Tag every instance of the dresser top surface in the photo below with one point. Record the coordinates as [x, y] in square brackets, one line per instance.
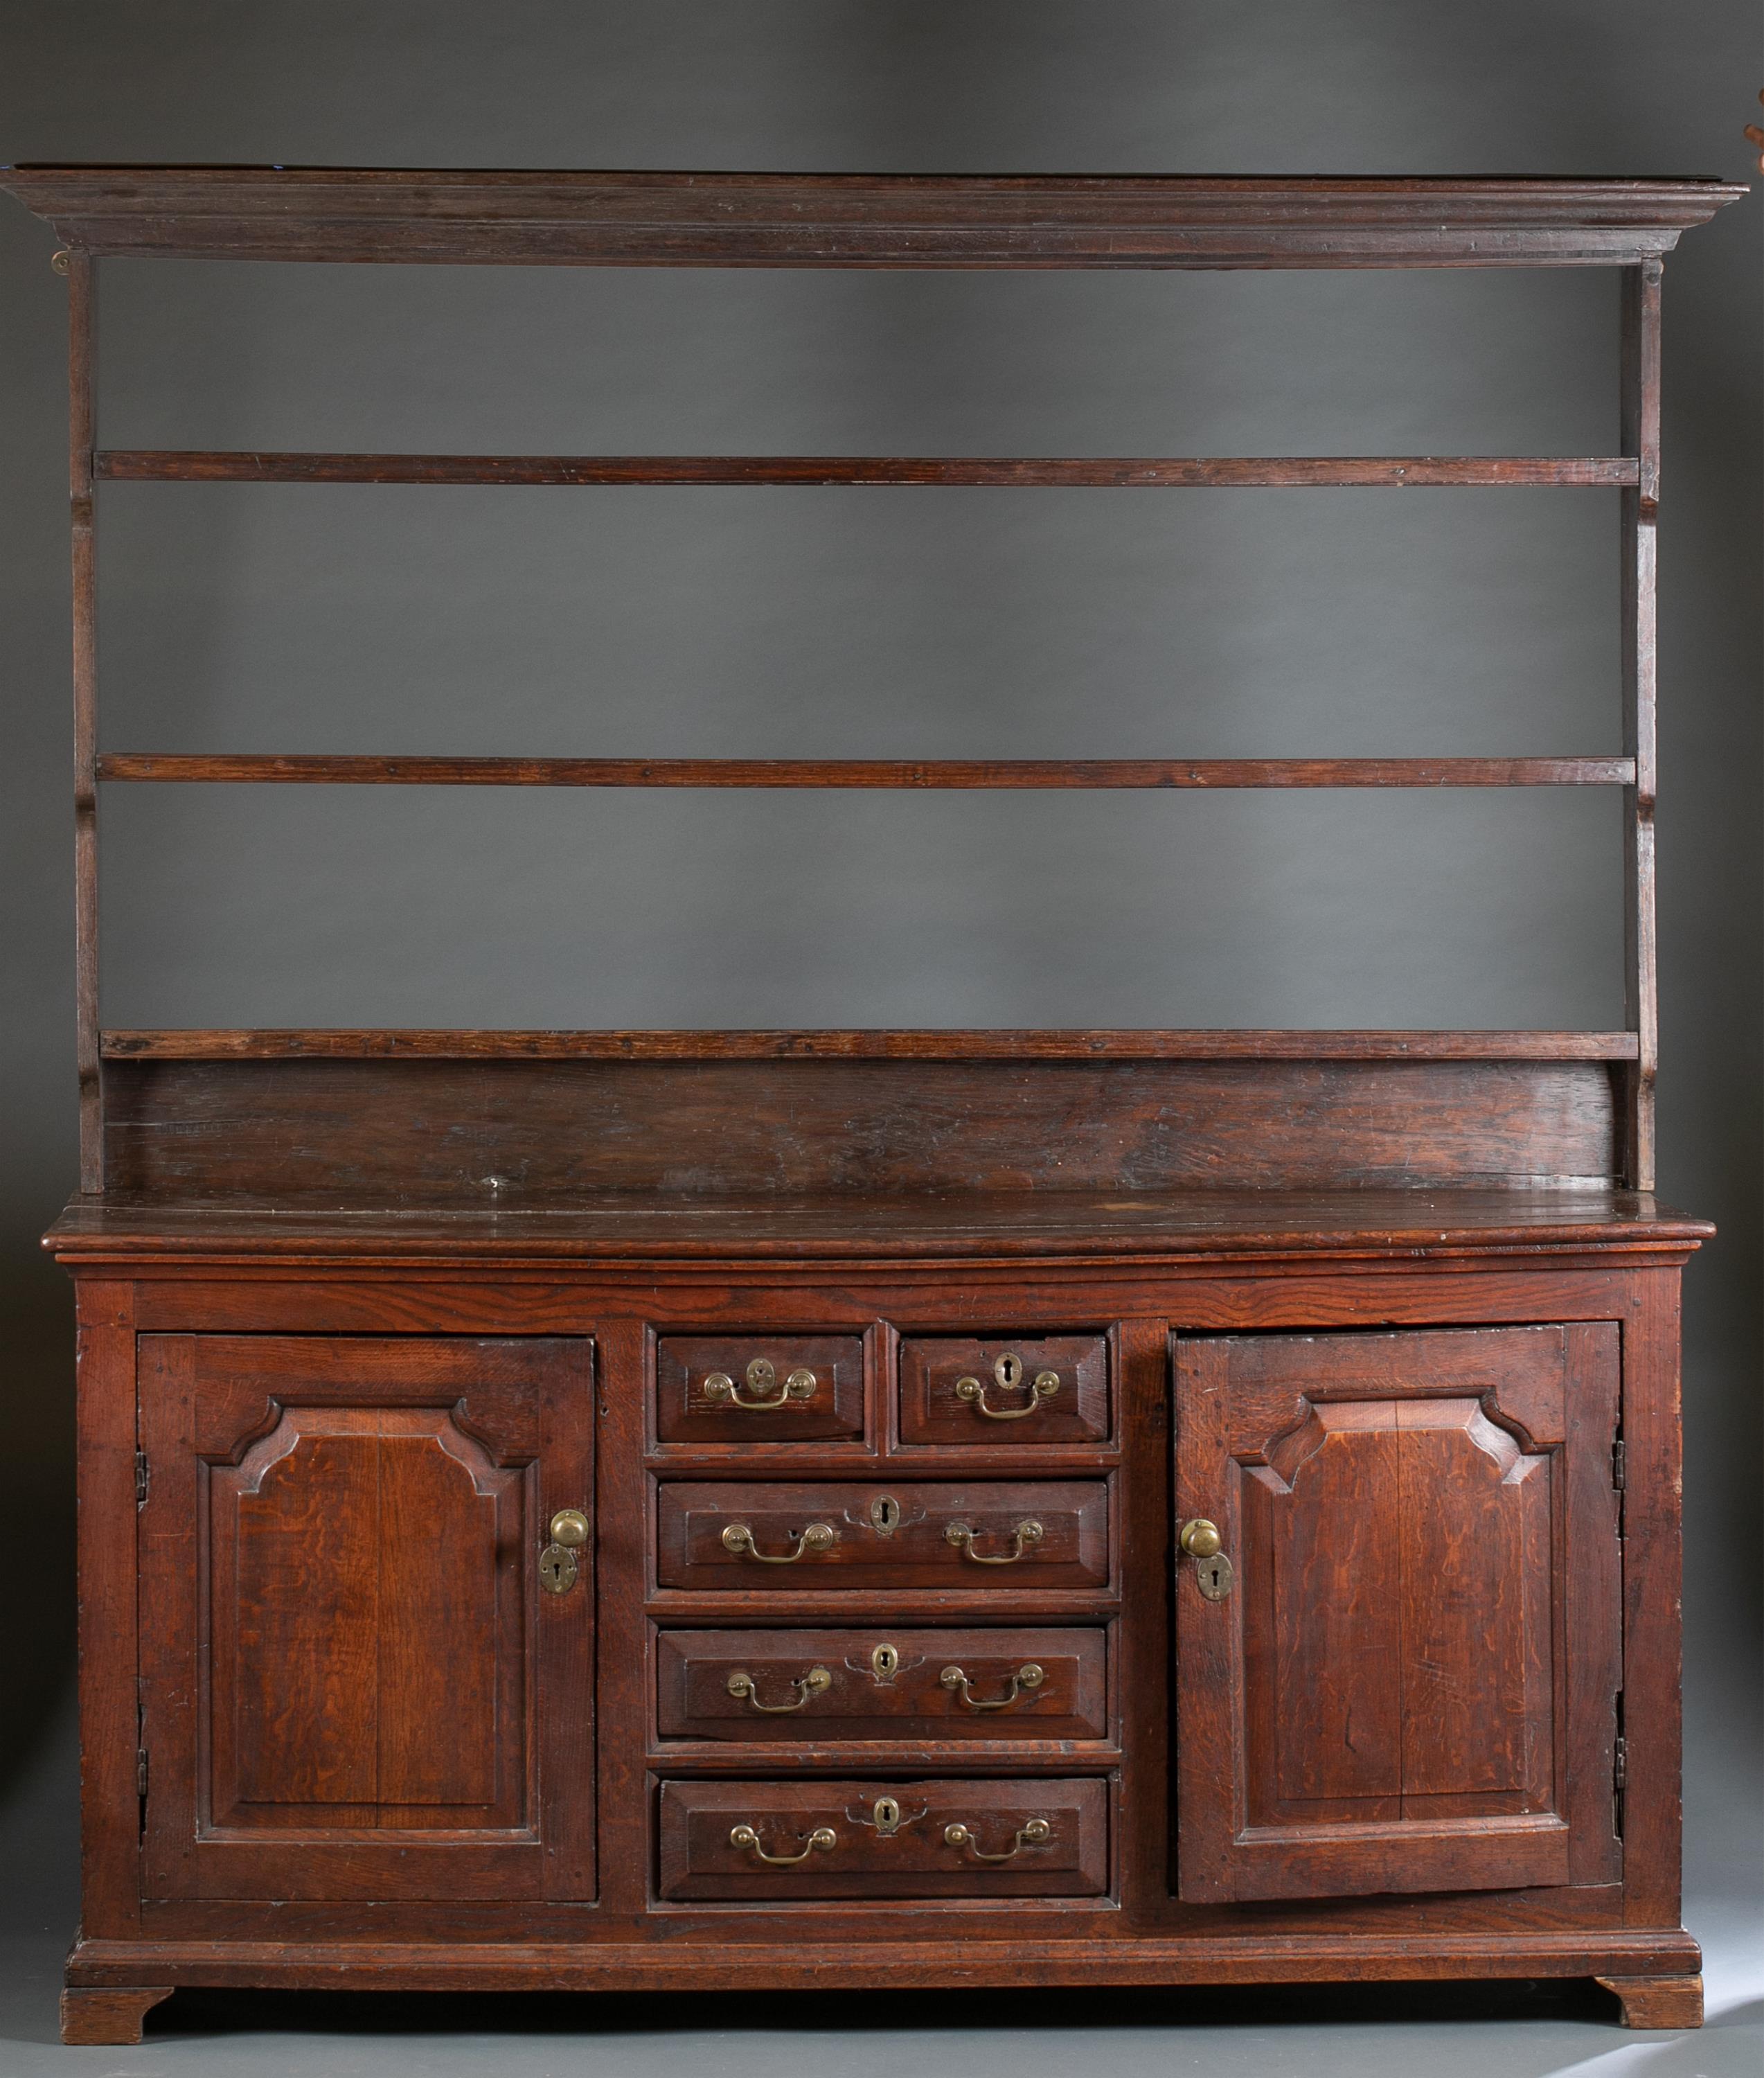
[1219, 1224]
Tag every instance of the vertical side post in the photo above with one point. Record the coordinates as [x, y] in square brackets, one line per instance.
[1640, 436]
[82, 435]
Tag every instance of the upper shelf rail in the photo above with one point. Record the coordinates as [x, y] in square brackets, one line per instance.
[360, 769]
[267, 1044]
[1084, 472]
[893, 220]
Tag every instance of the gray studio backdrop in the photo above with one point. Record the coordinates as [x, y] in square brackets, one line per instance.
[885, 622]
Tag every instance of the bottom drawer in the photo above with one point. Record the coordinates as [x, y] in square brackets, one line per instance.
[884, 1839]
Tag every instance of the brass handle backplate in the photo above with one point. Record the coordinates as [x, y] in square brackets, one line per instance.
[559, 1568]
[739, 1539]
[1007, 1372]
[816, 1682]
[819, 1841]
[1025, 1538]
[762, 1376]
[1028, 1675]
[1037, 1833]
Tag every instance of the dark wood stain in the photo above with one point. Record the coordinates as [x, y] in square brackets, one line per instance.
[361, 1311]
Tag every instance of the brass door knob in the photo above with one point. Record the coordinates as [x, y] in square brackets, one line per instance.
[570, 1528]
[1200, 1538]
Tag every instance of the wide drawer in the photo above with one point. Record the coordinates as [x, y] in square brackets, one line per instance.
[1004, 1535]
[797, 1687]
[759, 1388]
[881, 1839]
[1052, 1389]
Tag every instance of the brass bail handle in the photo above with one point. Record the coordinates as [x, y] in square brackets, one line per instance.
[739, 1539]
[816, 1682]
[1028, 1676]
[559, 1568]
[762, 1376]
[1007, 1373]
[1024, 1540]
[820, 1842]
[1037, 1833]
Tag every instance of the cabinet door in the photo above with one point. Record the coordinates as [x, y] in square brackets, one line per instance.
[354, 1682]
[1410, 1684]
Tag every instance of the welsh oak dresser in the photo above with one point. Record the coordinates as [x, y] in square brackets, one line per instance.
[875, 1508]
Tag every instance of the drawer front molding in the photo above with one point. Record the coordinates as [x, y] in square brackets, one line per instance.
[990, 1536]
[742, 1840]
[882, 1683]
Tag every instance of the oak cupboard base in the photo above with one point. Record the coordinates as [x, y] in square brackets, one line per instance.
[487, 1806]
[1653, 1974]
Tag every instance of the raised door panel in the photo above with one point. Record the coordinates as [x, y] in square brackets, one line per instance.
[1410, 1683]
[353, 1684]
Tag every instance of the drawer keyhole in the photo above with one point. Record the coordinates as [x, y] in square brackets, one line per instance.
[884, 1515]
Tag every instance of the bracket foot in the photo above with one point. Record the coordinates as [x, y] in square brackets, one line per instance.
[1675, 2002]
[99, 2016]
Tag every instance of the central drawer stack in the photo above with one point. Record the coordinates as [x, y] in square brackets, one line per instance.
[883, 1602]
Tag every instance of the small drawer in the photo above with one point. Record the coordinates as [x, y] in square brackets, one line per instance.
[1052, 1390]
[759, 1389]
[884, 1839]
[995, 1536]
[799, 1686]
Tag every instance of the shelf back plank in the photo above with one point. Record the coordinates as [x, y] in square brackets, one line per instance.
[509, 1133]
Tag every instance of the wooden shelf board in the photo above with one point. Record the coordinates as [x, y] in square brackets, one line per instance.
[265, 1044]
[995, 472]
[226, 769]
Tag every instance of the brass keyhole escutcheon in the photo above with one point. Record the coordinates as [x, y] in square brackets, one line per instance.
[884, 1515]
[885, 1662]
[886, 1815]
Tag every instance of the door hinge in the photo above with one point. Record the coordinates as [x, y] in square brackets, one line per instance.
[1620, 1464]
[140, 1773]
[1620, 1765]
[140, 1479]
